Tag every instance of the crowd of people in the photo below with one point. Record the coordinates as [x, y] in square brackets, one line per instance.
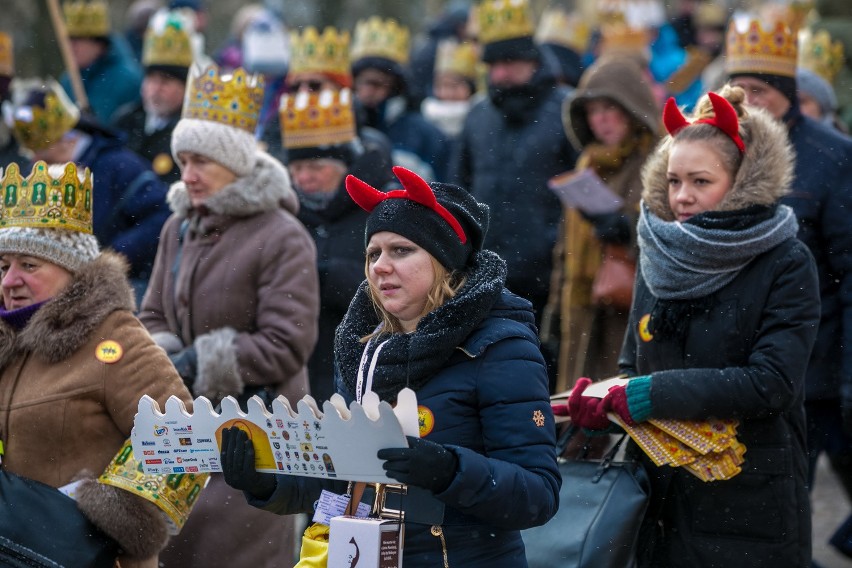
[500, 209]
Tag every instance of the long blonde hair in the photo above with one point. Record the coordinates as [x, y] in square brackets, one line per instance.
[445, 286]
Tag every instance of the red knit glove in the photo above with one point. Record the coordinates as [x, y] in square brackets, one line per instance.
[616, 401]
[587, 411]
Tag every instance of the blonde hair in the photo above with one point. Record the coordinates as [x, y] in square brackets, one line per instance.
[731, 156]
[445, 286]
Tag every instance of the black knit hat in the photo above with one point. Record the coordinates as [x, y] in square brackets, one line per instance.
[516, 48]
[444, 219]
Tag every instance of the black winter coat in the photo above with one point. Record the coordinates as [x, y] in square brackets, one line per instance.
[506, 165]
[154, 147]
[745, 358]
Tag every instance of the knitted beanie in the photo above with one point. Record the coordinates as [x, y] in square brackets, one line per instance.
[232, 147]
[425, 226]
[68, 249]
[817, 88]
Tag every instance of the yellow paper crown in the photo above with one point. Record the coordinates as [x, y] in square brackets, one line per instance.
[46, 202]
[168, 42]
[754, 50]
[618, 36]
[312, 120]
[561, 28]
[7, 56]
[460, 58]
[376, 37]
[820, 54]
[175, 494]
[504, 19]
[231, 99]
[86, 19]
[328, 53]
[39, 126]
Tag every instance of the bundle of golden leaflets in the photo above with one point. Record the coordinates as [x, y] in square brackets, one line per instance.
[709, 450]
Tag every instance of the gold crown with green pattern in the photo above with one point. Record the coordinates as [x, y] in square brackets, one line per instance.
[172, 45]
[233, 99]
[820, 54]
[7, 56]
[559, 27]
[86, 19]
[45, 202]
[39, 126]
[312, 120]
[376, 37]
[755, 50]
[460, 58]
[504, 19]
[312, 52]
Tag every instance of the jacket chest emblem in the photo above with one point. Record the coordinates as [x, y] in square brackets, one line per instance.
[425, 420]
[644, 334]
[109, 351]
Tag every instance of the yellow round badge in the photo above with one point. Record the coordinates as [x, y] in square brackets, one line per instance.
[643, 328]
[426, 420]
[108, 351]
[162, 164]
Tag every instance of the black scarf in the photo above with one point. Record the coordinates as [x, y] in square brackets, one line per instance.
[412, 359]
[518, 102]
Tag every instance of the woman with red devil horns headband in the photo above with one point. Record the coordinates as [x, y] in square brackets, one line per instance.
[434, 315]
[724, 317]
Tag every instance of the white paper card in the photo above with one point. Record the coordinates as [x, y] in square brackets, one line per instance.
[585, 191]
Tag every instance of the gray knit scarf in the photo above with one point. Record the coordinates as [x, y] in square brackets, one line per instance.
[689, 260]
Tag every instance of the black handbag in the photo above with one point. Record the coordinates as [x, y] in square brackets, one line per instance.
[601, 506]
[41, 527]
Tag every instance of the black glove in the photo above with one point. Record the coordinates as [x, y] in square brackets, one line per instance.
[846, 410]
[611, 228]
[186, 364]
[237, 457]
[422, 464]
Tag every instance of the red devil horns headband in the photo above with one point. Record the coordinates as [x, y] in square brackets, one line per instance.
[415, 188]
[725, 119]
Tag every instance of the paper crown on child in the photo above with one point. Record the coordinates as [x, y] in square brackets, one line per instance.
[557, 26]
[86, 19]
[460, 58]
[40, 113]
[168, 43]
[7, 56]
[233, 99]
[174, 494]
[316, 121]
[326, 53]
[751, 49]
[383, 38]
[820, 54]
[42, 201]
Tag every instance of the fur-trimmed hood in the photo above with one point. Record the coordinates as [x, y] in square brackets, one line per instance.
[764, 176]
[267, 188]
[65, 323]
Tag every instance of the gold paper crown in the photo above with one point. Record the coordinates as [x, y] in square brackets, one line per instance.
[376, 37]
[7, 56]
[820, 54]
[171, 45]
[328, 53]
[618, 36]
[312, 120]
[561, 28]
[772, 52]
[45, 202]
[86, 19]
[231, 99]
[459, 58]
[504, 19]
[38, 127]
[175, 494]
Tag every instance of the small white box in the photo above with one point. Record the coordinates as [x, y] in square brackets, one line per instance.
[365, 543]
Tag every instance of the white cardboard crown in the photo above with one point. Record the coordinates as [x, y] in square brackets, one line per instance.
[339, 443]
